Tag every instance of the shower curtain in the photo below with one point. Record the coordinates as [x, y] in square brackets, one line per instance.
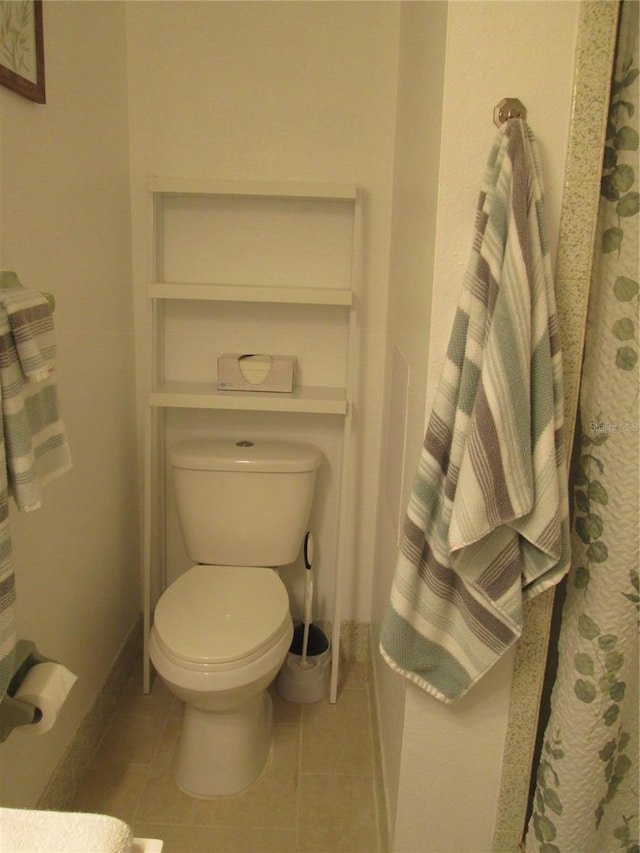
[586, 798]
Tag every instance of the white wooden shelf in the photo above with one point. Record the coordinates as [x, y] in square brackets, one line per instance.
[251, 293]
[253, 189]
[204, 395]
[162, 395]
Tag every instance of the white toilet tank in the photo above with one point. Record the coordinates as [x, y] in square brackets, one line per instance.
[243, 503]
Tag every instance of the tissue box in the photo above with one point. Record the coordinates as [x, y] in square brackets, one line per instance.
[255, 372]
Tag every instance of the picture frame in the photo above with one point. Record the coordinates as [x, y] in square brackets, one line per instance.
[22, 48]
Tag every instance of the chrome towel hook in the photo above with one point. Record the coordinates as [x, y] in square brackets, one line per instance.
[508, 108]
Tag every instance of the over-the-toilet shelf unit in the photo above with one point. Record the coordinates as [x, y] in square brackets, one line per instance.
[315, 401]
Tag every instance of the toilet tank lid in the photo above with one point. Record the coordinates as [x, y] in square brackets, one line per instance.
[261, 455]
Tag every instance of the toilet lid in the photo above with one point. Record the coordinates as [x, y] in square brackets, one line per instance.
[221, 614]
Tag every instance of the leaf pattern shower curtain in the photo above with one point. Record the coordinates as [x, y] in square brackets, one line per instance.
[586, 800]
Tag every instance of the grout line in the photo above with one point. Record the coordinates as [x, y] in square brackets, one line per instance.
[297, 828]
[149, 766]
[373, 735]
[379, 791]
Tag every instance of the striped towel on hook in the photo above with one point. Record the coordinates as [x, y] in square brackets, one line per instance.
[33, 441]
[487, 523]
[36, 444]
[31, 326]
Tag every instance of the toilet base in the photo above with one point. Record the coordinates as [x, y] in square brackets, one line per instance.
[223, 752]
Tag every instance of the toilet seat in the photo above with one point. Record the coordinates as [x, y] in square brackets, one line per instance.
[221, 617]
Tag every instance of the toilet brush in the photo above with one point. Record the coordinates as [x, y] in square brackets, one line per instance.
[308, 639]
[304, 675]
[308, 595]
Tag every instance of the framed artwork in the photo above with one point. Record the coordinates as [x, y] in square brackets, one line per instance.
[22, 48]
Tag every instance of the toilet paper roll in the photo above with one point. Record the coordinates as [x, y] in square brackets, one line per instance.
[46, 687]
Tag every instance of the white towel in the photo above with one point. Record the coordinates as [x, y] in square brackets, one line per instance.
[31, 831]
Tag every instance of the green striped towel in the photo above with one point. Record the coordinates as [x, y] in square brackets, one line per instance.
[33, 441]
[487, 523]
[31, 325]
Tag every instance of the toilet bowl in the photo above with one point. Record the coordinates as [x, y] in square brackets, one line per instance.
[220, 636]
[222, 631]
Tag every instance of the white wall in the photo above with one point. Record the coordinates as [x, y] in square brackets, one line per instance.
[445, 760]
[65, 228]
[277, 91]
[417, 158]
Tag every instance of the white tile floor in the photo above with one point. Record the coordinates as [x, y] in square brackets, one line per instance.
[321, 790]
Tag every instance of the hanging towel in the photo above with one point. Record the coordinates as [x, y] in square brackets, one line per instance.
[31, 325]
[8, 637]
[487, 523]
[36, 444]
[33, 441]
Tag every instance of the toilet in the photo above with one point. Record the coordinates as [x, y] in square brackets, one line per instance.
[222, 630]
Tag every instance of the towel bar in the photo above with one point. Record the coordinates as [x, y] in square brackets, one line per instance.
[9, 279]
[508, 108]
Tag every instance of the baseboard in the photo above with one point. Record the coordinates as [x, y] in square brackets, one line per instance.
[354, 639]
[61, 788]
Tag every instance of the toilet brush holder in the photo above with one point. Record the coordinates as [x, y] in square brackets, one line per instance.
[306, 678]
